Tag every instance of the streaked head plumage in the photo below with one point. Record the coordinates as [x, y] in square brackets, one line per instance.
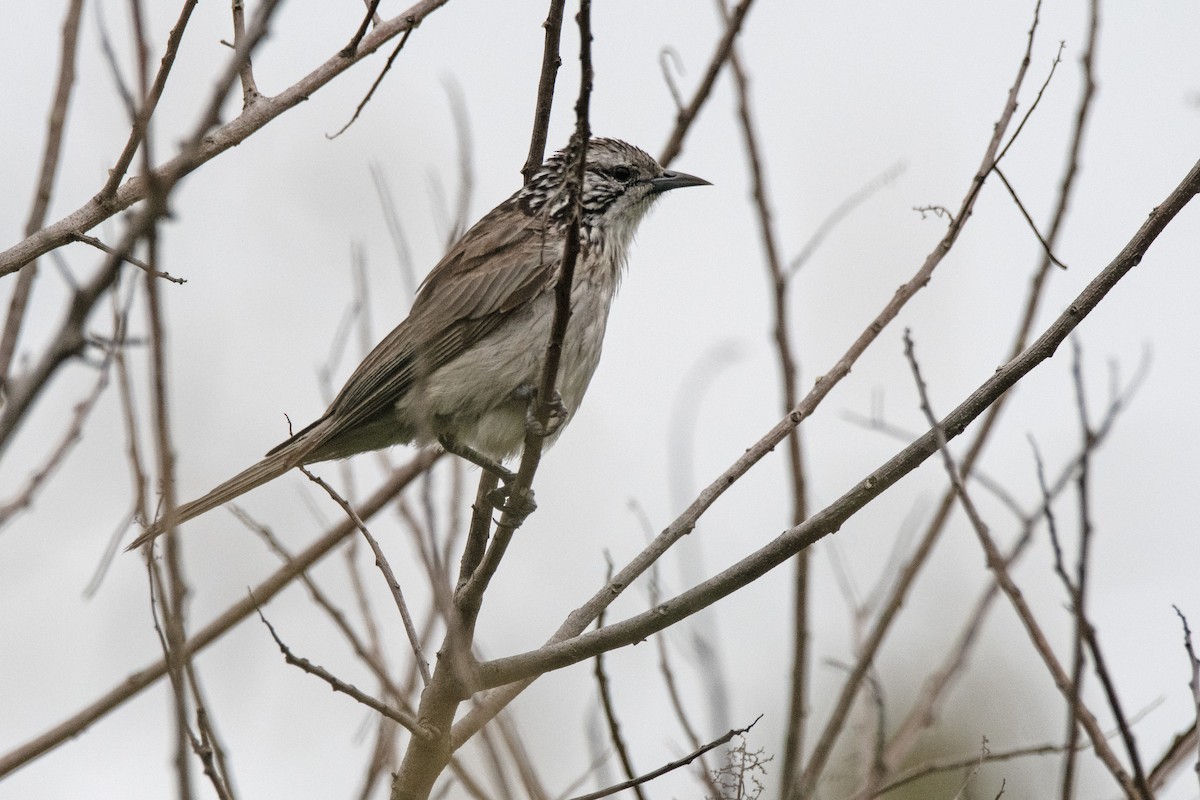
[621, 182]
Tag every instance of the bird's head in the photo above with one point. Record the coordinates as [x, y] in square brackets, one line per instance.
[620, 184]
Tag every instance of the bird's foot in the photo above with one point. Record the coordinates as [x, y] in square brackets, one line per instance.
[555, 420]
[502, 499]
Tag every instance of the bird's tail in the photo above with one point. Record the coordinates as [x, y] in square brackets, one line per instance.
[271, 467]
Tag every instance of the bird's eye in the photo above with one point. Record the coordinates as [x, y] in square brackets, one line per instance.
[621, 174]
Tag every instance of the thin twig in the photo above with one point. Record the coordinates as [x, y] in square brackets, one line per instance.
[55, 127]
[214, 139]
[108, 193]
[409, 722]
[551, 61]
[71, 437]
[126, 257]
[1028, 219]
[789, 379]
[610, 711]
[250, 91]
[674, 765]
[686, 116]
[964, 763]
[369, 655]
[351, 49]
[414, 640]
[1042, 90]
[995, 562]
[378, 80]
[1194, 681]
[136, 682]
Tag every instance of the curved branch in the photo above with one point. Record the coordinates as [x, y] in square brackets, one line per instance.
[232, 133]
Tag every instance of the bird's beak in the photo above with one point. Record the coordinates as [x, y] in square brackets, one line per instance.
[675, 180]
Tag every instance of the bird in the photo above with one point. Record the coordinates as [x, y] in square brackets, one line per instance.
[462, 369]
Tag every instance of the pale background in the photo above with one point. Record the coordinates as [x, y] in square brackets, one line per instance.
[842, 91]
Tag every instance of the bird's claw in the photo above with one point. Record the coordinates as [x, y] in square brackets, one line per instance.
[503, 500]
[555, 420]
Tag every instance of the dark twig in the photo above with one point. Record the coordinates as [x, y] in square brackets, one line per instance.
[351, 49]
[414, 640]
[424, 761]
[1077, 588]
[551, 61]
[1070, 749]
[687, 115]
[471, 594]
[149, 103]
[789, 378]
[1032, 225]
[378, 80]
[338, 685]
[610, 711]
[126, 257]
[1194, 681]
[19, 300]
[674, 765]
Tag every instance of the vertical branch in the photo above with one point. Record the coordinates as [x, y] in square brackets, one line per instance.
[426, 758]
[551, 61]
[573, 173]
[609, 708]
[41, 199]
[794, 742]
[149, 102]
[1194, 681]
[250, 91]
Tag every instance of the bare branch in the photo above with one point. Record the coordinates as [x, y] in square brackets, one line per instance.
[338, 685]
[381, 561]
[378, 80]
[210, 143]
[995, 562]
[674, 765]
[686, 116]
[551, 61]
[41, 199]
[133, 684]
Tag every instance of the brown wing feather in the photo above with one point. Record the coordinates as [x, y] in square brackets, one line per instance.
[503, 261]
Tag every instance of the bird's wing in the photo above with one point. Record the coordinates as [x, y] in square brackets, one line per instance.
[502, 262]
